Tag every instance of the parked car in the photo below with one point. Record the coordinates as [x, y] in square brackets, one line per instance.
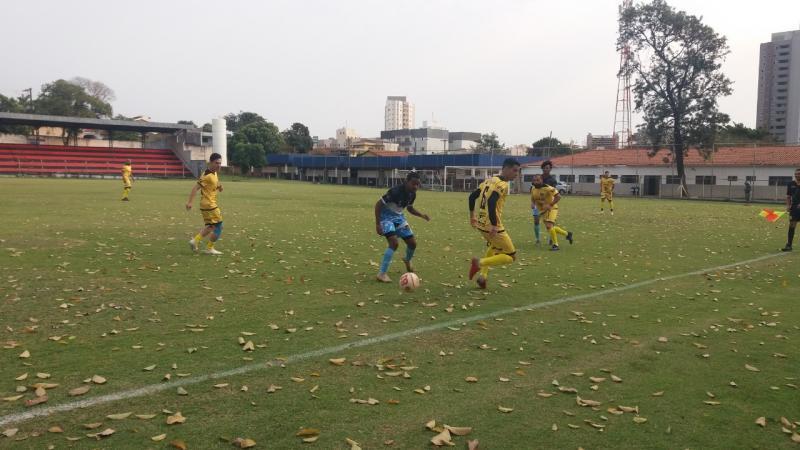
[563, 188]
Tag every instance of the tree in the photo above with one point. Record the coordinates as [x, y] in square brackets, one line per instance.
[124, 135]
[677, 64]
[490, 143]
[96, 89]
[248, 156]
[207, 127]
[738, 133]
[263, 136]
[187, 122]
[298, 138]
[62, 98]
[549, 146]
[233, 121]
[13, 105]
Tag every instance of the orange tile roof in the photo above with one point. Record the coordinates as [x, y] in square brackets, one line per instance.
[384, 153]
[724, 156]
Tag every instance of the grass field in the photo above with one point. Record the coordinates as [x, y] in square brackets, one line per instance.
[94, 286]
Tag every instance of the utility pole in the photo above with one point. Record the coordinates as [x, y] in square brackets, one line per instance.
[30, 99]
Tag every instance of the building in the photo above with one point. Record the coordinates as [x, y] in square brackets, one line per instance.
[361, 146]
[720, 176]
[462, 141]
[778, 105]
[599, 142]
[518, 150]
[345, 137]
[399, 113]
[419, 141]
[325, 143]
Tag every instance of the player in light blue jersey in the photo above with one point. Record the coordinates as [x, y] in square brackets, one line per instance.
[391, 223]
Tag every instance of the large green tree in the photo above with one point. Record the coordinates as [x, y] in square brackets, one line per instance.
[549, 146]
[96, 89]
[248, 156]
[263, 135]
[676, 63]
[490, 143]
[234, 121]
[62, 98]
[738, 133]
[298, 138]
[10, 104]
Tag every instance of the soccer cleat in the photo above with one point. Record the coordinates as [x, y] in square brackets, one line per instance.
[193, 245]
[474, 267]
[788, 248]
[212, 251]
[601, 211]
[569, 237]
[383, 278]
[125, 199]
[481, 280]
[538, 242]
[409, 266]
[554, 248]
[612, 213]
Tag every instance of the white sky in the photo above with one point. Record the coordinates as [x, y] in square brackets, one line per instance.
[519, 68]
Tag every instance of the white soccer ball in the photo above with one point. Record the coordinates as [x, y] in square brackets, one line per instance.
[409, 281]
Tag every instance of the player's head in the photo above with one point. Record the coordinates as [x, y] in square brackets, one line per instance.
[547, 166]
[510, 169]
[128, 162]
[412, 182]
[606, 174]
[538, 181]
[797, 174]
[214, 162]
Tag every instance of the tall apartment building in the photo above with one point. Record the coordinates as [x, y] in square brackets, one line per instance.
[778, 107]
[345, 137]
[399, 113]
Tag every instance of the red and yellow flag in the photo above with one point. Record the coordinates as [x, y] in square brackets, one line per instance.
[770, 215]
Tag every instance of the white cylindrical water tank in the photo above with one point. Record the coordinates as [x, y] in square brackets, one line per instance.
[219, 139]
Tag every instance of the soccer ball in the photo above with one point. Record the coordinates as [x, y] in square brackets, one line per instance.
[409, 281]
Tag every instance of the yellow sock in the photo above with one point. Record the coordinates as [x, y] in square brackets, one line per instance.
[485, 269]
[611, 205]
[496, 260]
[198, 238]
[125, 192]
[602, 203]
[553, 235]
[210, 245]
[560, 230]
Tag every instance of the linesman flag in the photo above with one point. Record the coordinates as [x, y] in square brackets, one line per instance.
[770, 215]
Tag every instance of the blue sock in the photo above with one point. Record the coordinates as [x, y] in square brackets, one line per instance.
[387, 259]
[536, 230]
[410, 253]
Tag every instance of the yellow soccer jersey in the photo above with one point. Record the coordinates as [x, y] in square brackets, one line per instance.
[126, 175]
[487, 188]
[544, 195]
[606, 185]
[208, 183]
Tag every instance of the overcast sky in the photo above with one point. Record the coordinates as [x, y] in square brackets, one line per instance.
[519, 68]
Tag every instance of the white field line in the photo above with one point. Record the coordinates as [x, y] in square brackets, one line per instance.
[155, 388]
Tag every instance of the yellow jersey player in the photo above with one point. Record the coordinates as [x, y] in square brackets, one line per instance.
[545, 198]
[607, 192]
[208, 184]
[491, 196]
[127, 180]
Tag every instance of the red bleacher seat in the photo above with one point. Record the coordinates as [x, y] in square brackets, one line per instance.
[79, 160]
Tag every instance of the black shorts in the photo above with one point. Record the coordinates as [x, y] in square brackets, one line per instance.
[794, 213]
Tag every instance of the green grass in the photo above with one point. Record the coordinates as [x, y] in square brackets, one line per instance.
[93, 285]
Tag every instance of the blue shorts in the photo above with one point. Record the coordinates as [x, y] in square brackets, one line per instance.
[535, 212]
[396, 227]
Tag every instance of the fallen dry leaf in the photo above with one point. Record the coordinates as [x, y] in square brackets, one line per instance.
[459, 431]
[10, 432]
[79, 390]
[505, 410]
[120, 416]
[175, 418]
[306, 432]
[178, 444]
[97, 379]
[337, 361]
[761, 421]
[442, 438]
[751, 368]
[244, 443]
[158, 438]
[472, 445]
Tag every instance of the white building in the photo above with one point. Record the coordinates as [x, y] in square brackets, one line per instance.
[721, 176]
[778, 107]
[399, 113]
[345, 137]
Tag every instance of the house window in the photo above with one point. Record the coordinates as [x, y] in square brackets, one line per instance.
[567, 178]
[629, 179]
[673, 179]
[779, 181]
[705, 179]
[733, 178]
[750, 178]
[586, 178]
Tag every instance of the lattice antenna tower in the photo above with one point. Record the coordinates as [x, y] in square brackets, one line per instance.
[622, 109]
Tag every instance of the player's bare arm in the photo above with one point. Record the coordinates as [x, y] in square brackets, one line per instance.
[378, 208]
[414, 212]
[191, 196]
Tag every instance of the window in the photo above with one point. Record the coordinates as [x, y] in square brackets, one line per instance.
[782, 83]
[629, 179]
[733, 178]
[586, 178]
[673, 179]
[705, 179]
[750, 178]
[779, 181]
[567, 178]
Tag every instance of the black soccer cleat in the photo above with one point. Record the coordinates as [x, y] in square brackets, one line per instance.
[554, 248]
[788, 248]
[569, 237]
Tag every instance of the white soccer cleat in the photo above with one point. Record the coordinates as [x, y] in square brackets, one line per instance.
[383, 278]
[212, 251]
[193, 245]
[612, 213]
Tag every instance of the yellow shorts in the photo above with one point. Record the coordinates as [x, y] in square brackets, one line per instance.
[501, 242]
[126, 183]
[606, 196]
[211, 216]
[550, 216]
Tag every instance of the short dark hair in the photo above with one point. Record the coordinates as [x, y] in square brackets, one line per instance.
[214, 157]
[412, 176]
[510, 162]
[547, 163]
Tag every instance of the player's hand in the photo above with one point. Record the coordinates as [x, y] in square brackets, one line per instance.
[219, 188]
[188, 206]
[473, 222]
[378, 229]
[493, 231]
[426, 217]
